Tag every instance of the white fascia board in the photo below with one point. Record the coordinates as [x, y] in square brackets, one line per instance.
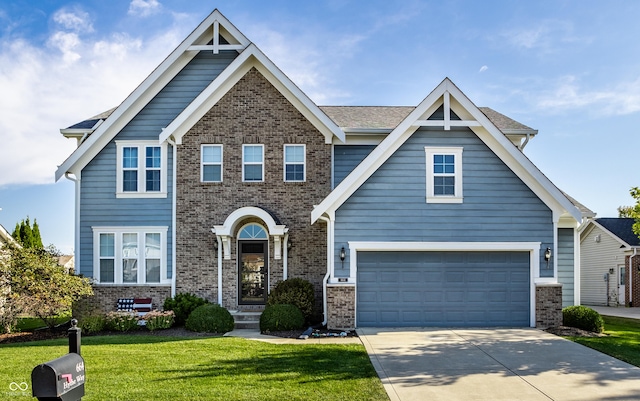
[250, 57]
[138, 99]
[378, 156]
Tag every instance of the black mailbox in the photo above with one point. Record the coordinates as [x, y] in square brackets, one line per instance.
[59, 379]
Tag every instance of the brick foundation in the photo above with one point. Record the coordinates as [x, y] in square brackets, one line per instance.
[341, 310]
[548, 305]
[632, 292]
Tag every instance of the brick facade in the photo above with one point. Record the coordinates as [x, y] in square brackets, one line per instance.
[548, 305]
[252, 112]
[632, 289]
[107, 296]
[341, 307]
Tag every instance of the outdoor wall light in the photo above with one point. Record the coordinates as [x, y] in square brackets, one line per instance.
[547, 254]
[342, 254]
[289, 245]
[611, 270]
[215, 245]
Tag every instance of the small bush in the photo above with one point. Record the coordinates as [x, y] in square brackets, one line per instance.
[281, 317]
[182, 306]
[157, 320]
[122, 321]
[295, 291]
[583, 318]
[210, 318]
[92, 324]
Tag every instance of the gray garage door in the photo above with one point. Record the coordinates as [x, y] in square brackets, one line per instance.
[446, 289]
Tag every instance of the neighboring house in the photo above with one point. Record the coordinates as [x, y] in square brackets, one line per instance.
[5, 288]
[218, 176]
[68, 262]
[609, 263]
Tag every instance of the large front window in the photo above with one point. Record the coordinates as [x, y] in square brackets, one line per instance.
[130, 255]
[444, 175]
[141, 169]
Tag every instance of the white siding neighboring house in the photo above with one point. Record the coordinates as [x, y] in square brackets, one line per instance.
[5, 238]
[608, 249]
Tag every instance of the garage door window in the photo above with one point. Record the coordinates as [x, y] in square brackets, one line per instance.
[444, 175]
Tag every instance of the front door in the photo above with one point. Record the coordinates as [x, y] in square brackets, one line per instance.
[252, 273]
[622, 280]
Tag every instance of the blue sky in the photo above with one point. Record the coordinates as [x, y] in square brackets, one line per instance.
[570, 69]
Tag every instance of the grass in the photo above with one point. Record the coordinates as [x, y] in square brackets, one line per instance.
[622, 340]
[146, 367]
[33, 323]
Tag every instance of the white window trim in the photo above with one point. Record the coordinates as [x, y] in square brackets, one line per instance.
[244, 163]
[457, 153]
[141, 192]
[202, 162]
[304, 162]
[140, 231]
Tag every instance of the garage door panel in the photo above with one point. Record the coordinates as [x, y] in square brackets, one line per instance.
[456, 289]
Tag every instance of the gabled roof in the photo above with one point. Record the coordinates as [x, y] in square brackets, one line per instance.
[622, 228]
[447, 95]
[251, 57]
[6, 238]
[205, 37]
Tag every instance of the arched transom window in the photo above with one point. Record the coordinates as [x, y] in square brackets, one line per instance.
[252, 231]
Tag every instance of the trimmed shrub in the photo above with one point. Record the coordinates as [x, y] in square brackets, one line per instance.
[182, 306]
[92, 324]
[210, 318]
[583, 318]
[281, 317]
[156, 320]
[295, 291]
[122, 321]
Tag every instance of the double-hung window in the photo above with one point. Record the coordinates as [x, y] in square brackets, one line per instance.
[294, 163]
[141, 169]
[252, 163]
[444, 174]
[211, 163]
[130, 255]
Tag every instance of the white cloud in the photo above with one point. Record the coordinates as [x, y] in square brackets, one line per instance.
[144, 8]
[45, 90]
[73, 20]
[547, 35]
[620, 99]
[483, 68]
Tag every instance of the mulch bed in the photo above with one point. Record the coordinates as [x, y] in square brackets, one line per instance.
[316, 333]
[573, 332]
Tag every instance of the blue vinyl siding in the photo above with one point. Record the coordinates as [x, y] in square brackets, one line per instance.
[98, 203]
[346, 158]
[566, 263]
[391, 204]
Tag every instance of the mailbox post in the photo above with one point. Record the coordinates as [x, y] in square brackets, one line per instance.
[62, 378]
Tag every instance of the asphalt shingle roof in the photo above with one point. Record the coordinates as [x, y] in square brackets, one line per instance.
[622, 228]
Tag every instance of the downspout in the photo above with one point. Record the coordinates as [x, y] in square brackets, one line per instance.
[523, 144]
[173, 217]
[76, 240]
[635, 253]
[219, 269]
[285, 256]
[329, 267]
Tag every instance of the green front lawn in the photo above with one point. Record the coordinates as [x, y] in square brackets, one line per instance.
[622, 340]
[147, 367]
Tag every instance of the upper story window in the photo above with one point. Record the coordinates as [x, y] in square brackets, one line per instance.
[141, 169]
[444, 174]
[294, 162]
[130, 255]
[253, 163]
[211, 163]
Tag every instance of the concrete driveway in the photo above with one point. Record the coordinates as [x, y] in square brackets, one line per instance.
[494, 364]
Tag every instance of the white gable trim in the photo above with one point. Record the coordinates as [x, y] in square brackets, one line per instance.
[147, 90]
[448, 94]
[592, 223]
[251, 57]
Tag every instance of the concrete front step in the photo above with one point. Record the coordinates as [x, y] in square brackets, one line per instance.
[246, 320]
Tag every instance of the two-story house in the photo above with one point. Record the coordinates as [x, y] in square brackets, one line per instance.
[218, 176]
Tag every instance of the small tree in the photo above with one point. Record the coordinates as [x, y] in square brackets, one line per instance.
[39, 285]
[632, 211]
[28, 236]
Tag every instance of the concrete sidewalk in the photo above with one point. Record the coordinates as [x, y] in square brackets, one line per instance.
[620, 311]
[494, 364]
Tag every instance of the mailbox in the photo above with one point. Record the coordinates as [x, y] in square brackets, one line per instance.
[59, 379]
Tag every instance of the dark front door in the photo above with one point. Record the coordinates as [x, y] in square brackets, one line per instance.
[252, 272]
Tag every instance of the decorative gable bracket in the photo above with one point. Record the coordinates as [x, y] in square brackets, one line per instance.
[447, 122]
[236, 42]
